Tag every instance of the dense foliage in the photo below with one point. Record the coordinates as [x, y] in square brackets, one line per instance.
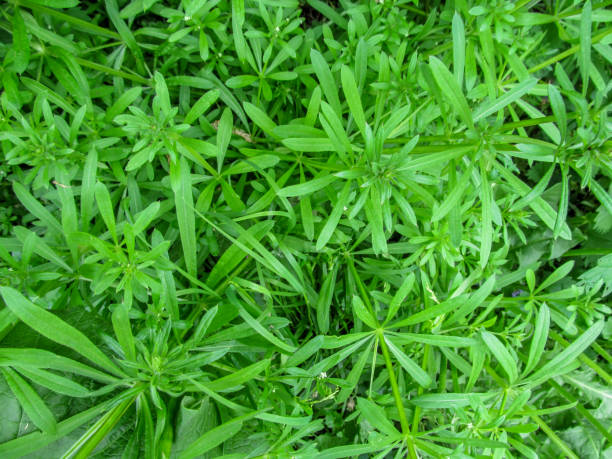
[287, 228]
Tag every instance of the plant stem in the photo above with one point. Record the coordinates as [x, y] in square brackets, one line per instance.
[396, 395]
[553, 436]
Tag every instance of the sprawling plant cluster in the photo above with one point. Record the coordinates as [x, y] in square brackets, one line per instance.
[310, 229]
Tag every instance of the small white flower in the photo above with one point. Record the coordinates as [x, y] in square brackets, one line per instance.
[277, 28]
[323, 375]
[187, 18]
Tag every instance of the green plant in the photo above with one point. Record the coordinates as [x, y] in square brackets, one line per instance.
[305, 229]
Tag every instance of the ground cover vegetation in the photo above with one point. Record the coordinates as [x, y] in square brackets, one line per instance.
[311, 229]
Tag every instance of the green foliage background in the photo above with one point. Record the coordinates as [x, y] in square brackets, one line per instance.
[310, 229]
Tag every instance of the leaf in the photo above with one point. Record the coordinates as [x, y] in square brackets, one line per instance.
[430, 313]
[50, 326]
[232, 257]
[558, 274]
[40, 246]
[451, 90]
[486, 236]
[124, 31]
[584, 53]
[326, 80]
[88, 185]
[57, 3]
[30, 401]
[332, 222]
[308, 187]
[21, 43]
[105, 206]
[352, 97]
[325, 299]
[306, 351]
[123, 331]
[56, 383]
[501, 354]
[458, 31]
[453, 198]
[183, 200]
[161, 93]
[400, 296]
[446, 400]
[224, 135]
[570, 353]
[309, 144]
[260, 118]
[36, 209]
[506, 99]
[540, 335]
[373, 207]
[563, 203]
[376, 416]
[558, 109]
[362, 313]
[539, 206]
[258, 327]
[536, 191]
[38, 358]
[201, 105]
[239, 377]
[415, 371]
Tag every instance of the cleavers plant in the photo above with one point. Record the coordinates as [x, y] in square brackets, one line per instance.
[305, 228]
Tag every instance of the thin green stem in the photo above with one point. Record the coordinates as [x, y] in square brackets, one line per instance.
[396, 395]
[553, 436]
[582, 410]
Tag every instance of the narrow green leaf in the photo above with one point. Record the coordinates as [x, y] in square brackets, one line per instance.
[123, 331]
[32, 404]
[538, 341]
[105, 206]
[326, 80]
[88, 185]
[224, 135]
[451, 90]
[56, 383]
[362, 313]
[447, 400]
[506, 99]
[325, 299]
[21, 43]
[201, 105]
[332, 222]
[486, 235]
[52, 327]
[557, 275]
[183, 199]
[260, 118]
[584, 53]
[458, 31]
[373, 207]
[376, 416]
[352, 97]
[453, 198]
[558, 109]
[307, 187]
[502, 355]
[570, 353]
[36, 209]
[239, 377]
[415, 371]
[400, 296]
[430, 313]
